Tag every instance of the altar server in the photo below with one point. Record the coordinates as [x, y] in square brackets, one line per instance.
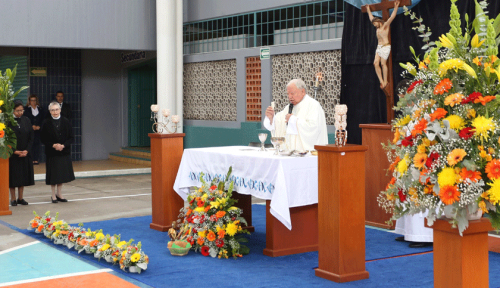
[302, 122]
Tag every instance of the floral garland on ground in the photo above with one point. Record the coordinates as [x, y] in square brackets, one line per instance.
[111, 248]
[210, 222]
[7, 95]
[446, 150]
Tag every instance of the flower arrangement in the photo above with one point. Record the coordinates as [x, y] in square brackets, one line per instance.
[7, 95]
[211, 222]
[95, 242]
[446, 150]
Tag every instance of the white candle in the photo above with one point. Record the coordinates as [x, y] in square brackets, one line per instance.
[155, 108]
[272, 105]
[166, 112]
[175, 118]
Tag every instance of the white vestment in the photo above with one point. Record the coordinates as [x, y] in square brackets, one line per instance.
[413, 229]
[306, 127]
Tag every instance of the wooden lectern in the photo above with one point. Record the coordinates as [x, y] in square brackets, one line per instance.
[341, 212]
[461, 261]
[376, 172]
[4, 187]
[166, 155]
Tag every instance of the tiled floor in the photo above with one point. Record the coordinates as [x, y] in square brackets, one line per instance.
[94, 165]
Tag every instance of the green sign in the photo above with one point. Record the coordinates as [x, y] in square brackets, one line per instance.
[38, 71]
[265, 53]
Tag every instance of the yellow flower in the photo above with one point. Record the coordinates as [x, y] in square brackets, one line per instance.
[445, 41]
[135, 257]
[482, 126]
[456, 156]
[483, 154]
[493, 58]
[403, 164]
[1, 102]
[455, 64]
[2, 126]
[453, 99]
[422, 65]
[482, 206]
[232, 208]
[471, 113]
[202, 234]
[402, 122]
[456, 122]
[215, 204]
[390, 197]
[494, 192]
[99, 236]
[421, 148]
[204, 197]
[447, 177]
[426, 142]
[474, 43]
[231, 229]
[105, 247]
[419, 160]
[476, 61]
[119, 245]
[199, 209]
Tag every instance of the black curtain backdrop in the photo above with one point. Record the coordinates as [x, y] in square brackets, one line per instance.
[360, 86]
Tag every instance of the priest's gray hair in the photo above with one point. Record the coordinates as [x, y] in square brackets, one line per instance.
[54, 103]
[299, 83]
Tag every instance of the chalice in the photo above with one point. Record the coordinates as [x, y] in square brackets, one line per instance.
[262, 138]
[277, 142]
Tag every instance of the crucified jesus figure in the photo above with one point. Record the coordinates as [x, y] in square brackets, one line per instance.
[384, 46]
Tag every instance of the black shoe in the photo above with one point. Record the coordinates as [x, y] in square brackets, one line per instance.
[420, 244]
[13, 203]
[53, 201]
[22, 202]
[61, 199]
[400, 239]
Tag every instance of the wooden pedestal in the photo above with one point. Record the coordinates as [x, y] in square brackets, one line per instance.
[245, 203]
[461, 261]
[166, 154]
[4, 187]
[341, 213]
[302, 238]
[376, 165]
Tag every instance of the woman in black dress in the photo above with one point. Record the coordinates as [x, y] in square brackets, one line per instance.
[57, 135]
[36, 114]
[20, 163]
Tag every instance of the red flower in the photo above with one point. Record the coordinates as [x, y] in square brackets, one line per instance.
[473, 96]
[412, 86]
[204, 251]
[402, 196]
[213, 187]
[213, 218]
[200, 203]
[466, 133]
[192, 201]
[190, 240]
[434, 156]
[407, 141]
[219, 243]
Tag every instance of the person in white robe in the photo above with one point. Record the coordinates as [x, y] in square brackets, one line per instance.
[305, 126]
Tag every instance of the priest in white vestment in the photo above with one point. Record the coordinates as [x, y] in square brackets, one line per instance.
[305, 126]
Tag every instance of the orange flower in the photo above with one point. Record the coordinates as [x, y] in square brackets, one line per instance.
[453, 99]
[438, 114]
[393, 180]
[429, 189]
[449, 194]
[482, 206]
[83, 242]
[419, 127]
[396, 161]
[34, 225]
[93, 243]
[200, 240]
[493, 169]
[419, 160]
[2, 133]
[443, 86]
[211, 236]
[65, 232]
[207, 208]
[220, 214]
[221, 233]
[456, 156]
[189, 212]
[474, 176]
[484, 100]
[40, 227]
[396, 136]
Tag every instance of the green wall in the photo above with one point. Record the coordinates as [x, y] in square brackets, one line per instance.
[198, 136]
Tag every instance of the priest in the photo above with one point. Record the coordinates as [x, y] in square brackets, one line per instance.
[302, 122]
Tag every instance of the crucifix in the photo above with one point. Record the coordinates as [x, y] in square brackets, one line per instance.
[387, 82]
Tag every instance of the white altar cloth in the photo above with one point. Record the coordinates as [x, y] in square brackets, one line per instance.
[285, 180]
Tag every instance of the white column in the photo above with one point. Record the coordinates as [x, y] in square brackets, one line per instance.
[169, 56]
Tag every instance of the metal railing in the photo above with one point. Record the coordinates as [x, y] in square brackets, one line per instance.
[312, 21]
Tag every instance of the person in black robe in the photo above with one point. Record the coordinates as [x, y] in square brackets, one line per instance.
[36, 114]
[65, 108]
[20, 163]
[57, 135]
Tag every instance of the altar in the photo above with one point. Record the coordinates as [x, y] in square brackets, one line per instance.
[288, 183]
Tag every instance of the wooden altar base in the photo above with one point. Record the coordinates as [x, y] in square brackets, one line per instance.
[302, 238]
[461, 261]
[4, 187]
[245, 204]
[376, 165]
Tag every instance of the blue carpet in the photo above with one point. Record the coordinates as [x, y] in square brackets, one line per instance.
[257, 270]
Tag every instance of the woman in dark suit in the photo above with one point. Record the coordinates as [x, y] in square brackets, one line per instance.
[57, 135]
[20, 163]
[36, 114]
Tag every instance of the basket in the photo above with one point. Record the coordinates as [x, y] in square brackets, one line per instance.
[176, 249]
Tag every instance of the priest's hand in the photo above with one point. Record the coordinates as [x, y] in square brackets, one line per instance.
[270, 113]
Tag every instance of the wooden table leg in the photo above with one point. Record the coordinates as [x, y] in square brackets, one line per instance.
[4, 187]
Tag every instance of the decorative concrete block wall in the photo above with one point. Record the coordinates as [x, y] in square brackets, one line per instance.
[210, 90]
[305, 66]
